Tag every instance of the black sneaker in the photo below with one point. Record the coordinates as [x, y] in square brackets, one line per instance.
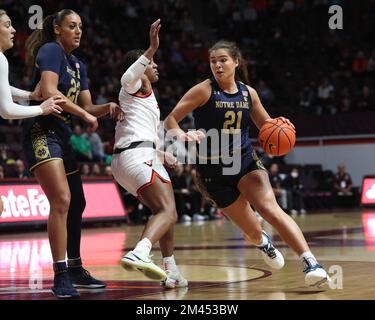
[63, 288]
[83, 279]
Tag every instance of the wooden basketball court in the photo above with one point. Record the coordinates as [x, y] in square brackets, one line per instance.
[212, 255]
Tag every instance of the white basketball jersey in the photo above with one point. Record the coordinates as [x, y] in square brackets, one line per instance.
[142, 117]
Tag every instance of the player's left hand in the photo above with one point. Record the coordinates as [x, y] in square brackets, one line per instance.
[285, 120]
[115, 112]
[36, 95]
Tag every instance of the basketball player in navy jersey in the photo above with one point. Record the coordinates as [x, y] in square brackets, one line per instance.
[227, 103]
[8, 94]
[47, 143]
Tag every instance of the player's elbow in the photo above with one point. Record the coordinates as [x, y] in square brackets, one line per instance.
[126, 79]
[5, 111]
[6, 114]
[48, 92]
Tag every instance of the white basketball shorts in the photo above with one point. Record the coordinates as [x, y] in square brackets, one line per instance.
[136, 169]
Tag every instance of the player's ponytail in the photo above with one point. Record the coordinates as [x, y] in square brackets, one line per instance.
[234, 52]
[41, 36]
[38, 38]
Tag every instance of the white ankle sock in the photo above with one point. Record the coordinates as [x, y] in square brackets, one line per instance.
[143, 246]
[169, 263]
[309, 257]
[264, 241]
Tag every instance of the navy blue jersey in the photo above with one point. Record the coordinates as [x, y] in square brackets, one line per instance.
[71, 71]
[229, 114]
[48, 137]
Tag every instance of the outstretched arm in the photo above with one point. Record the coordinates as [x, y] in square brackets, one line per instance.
[99, 110]
[131, 79]
[9, 109]
[19, 94]
[193, 99]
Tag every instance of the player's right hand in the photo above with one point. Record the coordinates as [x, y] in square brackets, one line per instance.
[92, 121]
[192, 135]
[52, 105]
[154, 35]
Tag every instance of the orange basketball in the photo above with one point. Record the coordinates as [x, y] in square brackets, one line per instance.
[276, 137]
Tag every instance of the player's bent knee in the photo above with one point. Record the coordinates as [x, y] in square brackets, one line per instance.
[60, 204]
[172, 214]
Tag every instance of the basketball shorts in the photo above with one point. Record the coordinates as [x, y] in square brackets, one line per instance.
[43, 142]
[136, 169]
[221, 189]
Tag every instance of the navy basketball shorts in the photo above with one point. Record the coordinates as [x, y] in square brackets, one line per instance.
[222, 190]
[43, 143]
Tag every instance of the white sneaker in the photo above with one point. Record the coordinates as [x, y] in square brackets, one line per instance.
[315, 275]
[271, 255]
[199, 217]
[174, 280]
[142, 262]
[294, 213]
[185, 218]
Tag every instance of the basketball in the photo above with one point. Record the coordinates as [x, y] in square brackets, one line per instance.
[276, 137]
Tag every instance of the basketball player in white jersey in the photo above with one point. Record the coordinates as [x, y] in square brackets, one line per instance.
[8, 94]
[138, 166]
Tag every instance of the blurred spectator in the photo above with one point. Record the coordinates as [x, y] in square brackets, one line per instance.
[19, 170]
[307, 98]
[97, 147]
[180, 187]
[85, 170]
[325, 96]
[371, 63]
[294, 188]
[360, 63]
[206, 208]
[4, 158]
[276, 183]
[343, 187]
[101, 98]
[81, 145]
[345, 101]
[187, 199]
[265, 93]
[108, 171]
[343, 182]
[365, 100]
[2, 173]
[95, 170]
